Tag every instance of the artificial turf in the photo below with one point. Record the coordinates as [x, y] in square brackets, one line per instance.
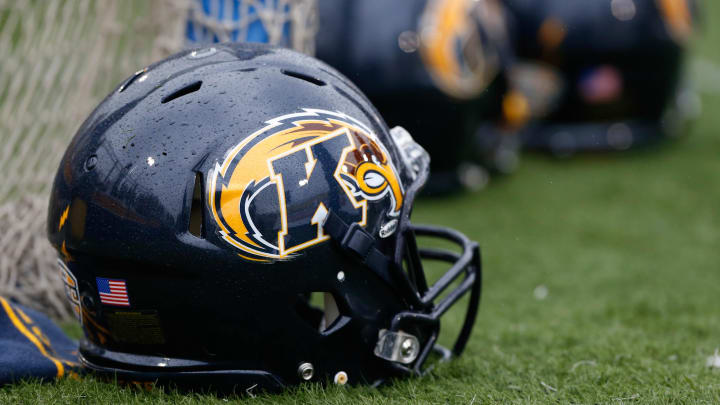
[602, 285]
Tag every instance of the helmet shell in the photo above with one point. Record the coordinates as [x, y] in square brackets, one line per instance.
[122, 208]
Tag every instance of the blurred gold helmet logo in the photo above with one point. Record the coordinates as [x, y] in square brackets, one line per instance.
[270, 195]
[452, 46]
[678, 18]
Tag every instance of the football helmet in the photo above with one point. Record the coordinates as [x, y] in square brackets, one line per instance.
[211, 195]
[436, 67]
[602, 74]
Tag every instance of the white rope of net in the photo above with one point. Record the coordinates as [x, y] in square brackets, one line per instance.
[29, 273]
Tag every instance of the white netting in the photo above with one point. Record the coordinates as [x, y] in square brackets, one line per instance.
[59, 58]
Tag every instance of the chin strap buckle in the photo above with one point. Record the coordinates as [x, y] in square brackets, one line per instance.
[359, 243]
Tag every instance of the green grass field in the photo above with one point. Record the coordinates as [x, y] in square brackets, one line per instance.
[627, 249]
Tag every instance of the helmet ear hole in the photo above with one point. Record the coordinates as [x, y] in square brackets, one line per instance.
[330, 312]
[319, 309]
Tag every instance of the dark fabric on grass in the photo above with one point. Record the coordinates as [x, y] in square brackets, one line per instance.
[33, 347]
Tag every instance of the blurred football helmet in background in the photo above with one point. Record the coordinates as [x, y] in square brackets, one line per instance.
[435, 67]
[602, 74]
[211, 194]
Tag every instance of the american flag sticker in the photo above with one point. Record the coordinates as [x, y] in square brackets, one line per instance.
[113, 292]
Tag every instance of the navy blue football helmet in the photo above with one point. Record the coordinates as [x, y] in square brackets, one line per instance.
[211, 194]
[603, 75]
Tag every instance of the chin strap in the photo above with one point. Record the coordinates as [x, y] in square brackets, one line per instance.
[358, 242]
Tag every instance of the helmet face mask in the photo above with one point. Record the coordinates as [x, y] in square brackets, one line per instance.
[223, 191]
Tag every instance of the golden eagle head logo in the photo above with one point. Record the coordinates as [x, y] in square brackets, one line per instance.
[270, 194]
[453, 44]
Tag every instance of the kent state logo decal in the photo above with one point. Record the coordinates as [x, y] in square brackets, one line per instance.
[271, 193]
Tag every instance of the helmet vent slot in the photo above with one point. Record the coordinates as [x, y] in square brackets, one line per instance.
[132, 79]
[304, 77]
[196, 208]
[190, 88]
